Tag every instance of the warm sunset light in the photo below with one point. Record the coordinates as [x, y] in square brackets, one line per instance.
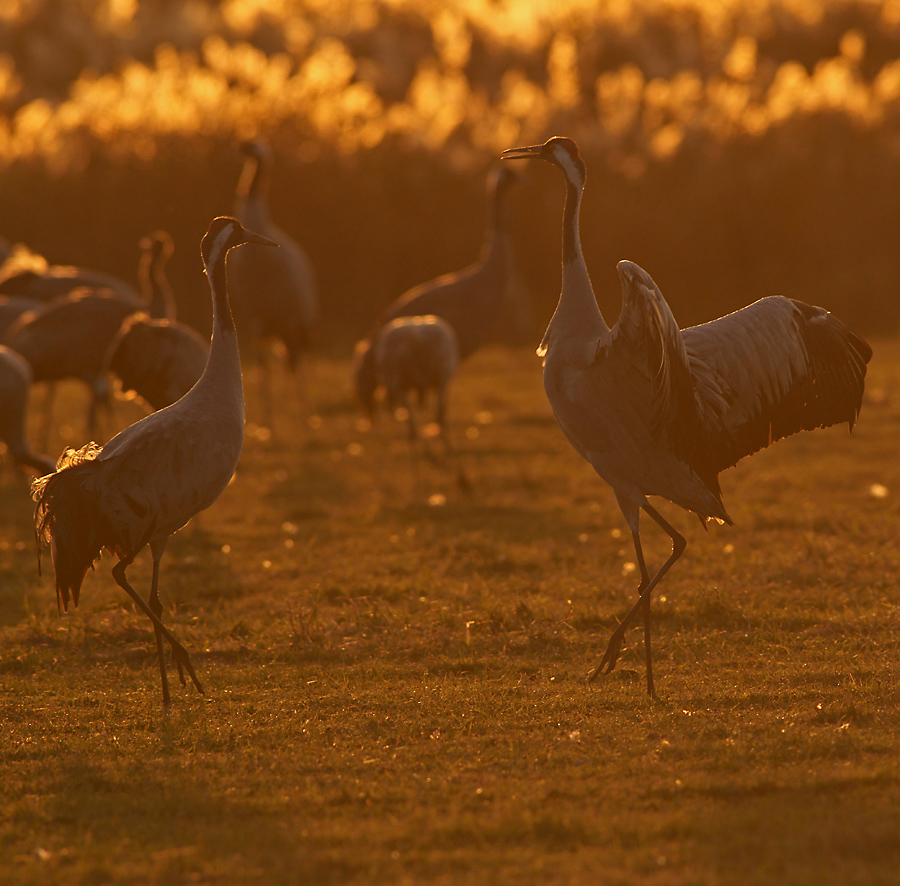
[449, 442]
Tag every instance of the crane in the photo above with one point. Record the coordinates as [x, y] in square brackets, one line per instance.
[156, 358]
[657, 410]
[481, 302]
[71, 336]
[15, 379]
[149, 480]
[68, 338]
[275, 293]
[53, 281]
[157, 361]
[414, 355]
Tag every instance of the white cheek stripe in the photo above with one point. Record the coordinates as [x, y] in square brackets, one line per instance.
[220, 244]
[570, 170]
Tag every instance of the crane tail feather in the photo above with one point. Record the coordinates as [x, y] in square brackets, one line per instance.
[64, 520]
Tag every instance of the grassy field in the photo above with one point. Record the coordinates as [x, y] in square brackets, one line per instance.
[394, 667]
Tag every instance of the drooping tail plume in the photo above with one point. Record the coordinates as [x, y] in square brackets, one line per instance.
[63, 519]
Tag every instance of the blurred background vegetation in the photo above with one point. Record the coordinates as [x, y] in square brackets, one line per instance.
[735, 148]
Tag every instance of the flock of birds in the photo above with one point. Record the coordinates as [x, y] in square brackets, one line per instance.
[656, 410]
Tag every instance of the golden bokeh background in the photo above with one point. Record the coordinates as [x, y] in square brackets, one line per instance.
[735, 148]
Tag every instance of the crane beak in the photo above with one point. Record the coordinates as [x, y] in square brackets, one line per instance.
[529, 153]
[253, 237]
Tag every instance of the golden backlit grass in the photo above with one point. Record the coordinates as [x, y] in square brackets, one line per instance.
[394, 689]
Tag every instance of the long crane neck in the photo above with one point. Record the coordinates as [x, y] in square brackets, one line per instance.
[223, 367]
[156, 289]
[577, 298]
[253, 192]
[497, 230]
[577, 319]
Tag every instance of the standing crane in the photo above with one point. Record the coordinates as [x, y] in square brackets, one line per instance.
[15, 379]
[481, 302]
[275, 293]
[148, 481]
[657, 410]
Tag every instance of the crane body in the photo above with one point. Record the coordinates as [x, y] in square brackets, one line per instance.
[150, 479]
[657, 410]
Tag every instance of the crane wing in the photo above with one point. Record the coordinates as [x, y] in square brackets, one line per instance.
[772, 369]
[647, 338]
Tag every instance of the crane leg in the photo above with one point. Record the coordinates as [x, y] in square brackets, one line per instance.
[178, 651]
[156, 606]
[643, 602]
[158, 548]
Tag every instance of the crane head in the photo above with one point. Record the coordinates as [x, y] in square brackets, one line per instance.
[225, 233]
[558, 150]
[255, 149]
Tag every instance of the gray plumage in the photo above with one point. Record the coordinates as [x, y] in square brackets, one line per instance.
[661, 411]
[59, 280]
[158, 361]
[69, 338]
[149, 480]
[413, 355]
[482, 302]
[15, 380]
[12, 307]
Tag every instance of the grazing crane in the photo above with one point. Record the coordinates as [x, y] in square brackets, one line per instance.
[157, 361]
[59, 280]
[71, 336]
[69, 339]
[480, 302]
[414, 355]
[275, 293]
[156, 250]
[149, 480]
[657, 410]
[15, 379]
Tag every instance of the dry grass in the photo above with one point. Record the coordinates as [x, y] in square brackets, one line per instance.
[395, 688]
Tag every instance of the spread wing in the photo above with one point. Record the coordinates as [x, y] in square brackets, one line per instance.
[772, 369]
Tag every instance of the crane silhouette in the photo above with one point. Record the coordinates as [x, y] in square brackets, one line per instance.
[57, 280]
[657, 410]
[157, 361]
[68, 338]
[71, 337]
[414, 356]
[150, 479]
[482, 302]
[275, 293]
[15, 379]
